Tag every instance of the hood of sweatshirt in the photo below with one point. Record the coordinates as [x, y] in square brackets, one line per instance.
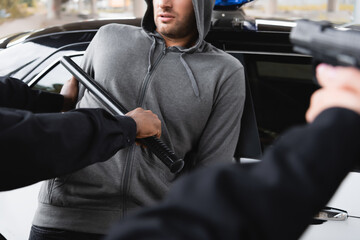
[203, 12]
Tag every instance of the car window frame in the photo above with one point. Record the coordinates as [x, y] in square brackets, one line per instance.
[50, 67]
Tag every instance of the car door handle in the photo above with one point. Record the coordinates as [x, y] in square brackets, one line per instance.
[331, 214]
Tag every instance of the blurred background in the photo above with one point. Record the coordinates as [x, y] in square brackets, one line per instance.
[22, 15]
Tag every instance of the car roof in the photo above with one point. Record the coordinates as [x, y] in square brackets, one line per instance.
[86, 25]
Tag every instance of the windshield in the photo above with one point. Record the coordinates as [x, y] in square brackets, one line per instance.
[24, 15]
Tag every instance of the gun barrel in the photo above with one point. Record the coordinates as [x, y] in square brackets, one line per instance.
[325, 43]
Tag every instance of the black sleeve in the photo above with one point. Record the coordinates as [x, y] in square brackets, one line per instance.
[35, 147]
[16, 94]
[274, 199]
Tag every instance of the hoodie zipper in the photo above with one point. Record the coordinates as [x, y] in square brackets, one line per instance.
[126, 178]
[147, 78]
[144, 86]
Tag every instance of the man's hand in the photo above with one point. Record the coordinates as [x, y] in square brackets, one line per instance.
[340, 88]
[70, 92]
[147, 123]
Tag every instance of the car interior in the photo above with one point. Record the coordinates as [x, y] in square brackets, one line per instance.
[280, 88]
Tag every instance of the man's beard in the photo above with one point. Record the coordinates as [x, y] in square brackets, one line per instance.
[178, 32]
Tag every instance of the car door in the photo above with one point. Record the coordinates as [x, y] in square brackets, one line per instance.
[346, 199]
[281, 86]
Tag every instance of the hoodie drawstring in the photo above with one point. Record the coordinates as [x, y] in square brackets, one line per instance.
[151, 53]
[191, 76]
[186, 66]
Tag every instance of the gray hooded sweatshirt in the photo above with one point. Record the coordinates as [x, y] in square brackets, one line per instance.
[198, 94]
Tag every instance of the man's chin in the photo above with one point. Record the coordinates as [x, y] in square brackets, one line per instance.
[167, 33]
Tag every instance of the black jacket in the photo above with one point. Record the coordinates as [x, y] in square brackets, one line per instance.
[34, 147]
[274, 199]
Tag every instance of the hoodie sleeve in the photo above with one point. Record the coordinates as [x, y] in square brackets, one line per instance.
[274, 199]
[219, 139]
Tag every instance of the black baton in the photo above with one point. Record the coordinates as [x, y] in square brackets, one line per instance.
[156, 146]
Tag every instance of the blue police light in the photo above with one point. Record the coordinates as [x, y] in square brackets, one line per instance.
[230, 4]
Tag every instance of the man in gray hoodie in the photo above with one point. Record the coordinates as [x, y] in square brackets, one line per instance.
[197, 91]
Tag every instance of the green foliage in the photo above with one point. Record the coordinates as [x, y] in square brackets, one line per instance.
[6, 4]
[16, 8]
[14, 11]
[29, 3]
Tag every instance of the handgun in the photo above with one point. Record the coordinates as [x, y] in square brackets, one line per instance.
[326, 43]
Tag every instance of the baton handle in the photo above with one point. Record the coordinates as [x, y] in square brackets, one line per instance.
[156, 146]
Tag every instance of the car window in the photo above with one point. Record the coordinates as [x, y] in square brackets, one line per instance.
[55, 77]
[281, 70]
[281, 86]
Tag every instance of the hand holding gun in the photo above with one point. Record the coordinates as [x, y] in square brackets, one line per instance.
[330, 46]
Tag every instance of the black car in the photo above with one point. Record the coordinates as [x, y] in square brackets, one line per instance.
[279, 81]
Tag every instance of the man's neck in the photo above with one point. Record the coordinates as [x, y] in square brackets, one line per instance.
[185, 42]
